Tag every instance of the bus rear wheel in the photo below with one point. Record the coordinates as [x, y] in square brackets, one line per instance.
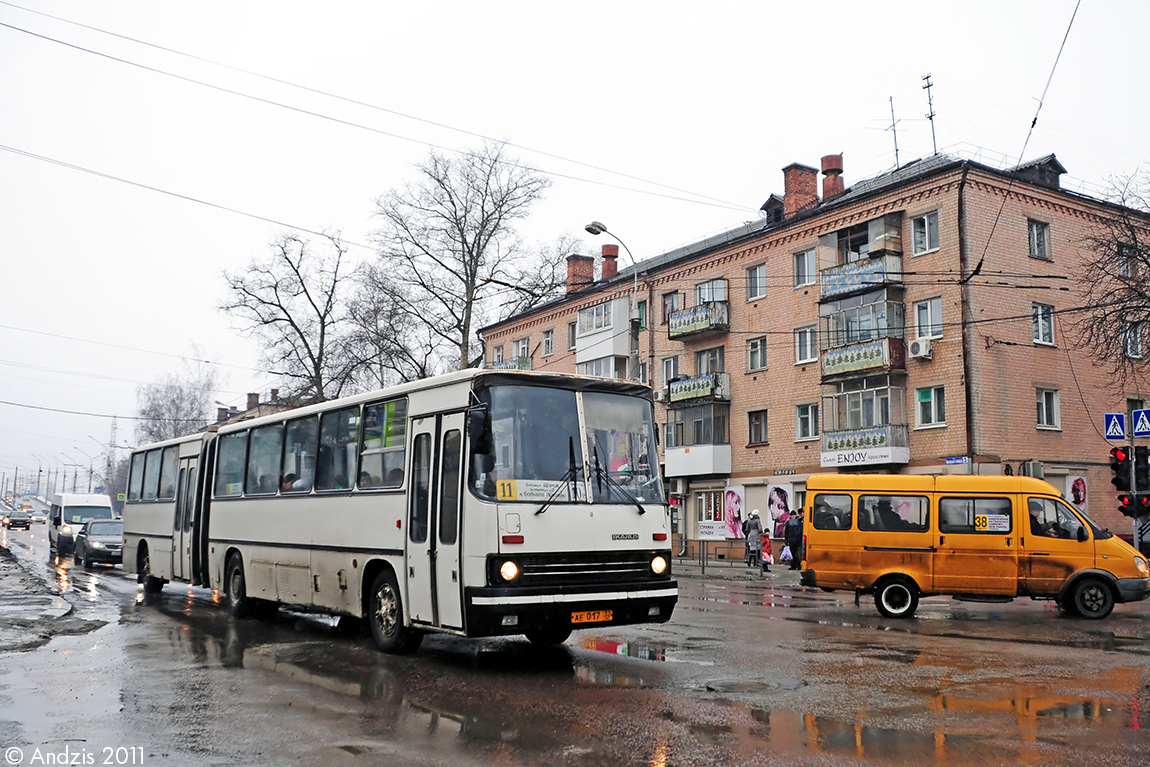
[152, 584]
[896, 598]
[385, 615]
[238, 603]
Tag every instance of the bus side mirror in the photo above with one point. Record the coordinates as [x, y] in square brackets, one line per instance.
[477, 430]
[1082, 534]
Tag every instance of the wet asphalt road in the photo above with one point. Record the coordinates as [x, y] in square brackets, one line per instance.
[747, 672]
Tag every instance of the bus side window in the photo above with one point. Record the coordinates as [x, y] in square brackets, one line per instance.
[420, 487]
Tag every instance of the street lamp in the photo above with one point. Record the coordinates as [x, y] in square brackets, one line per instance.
[597, 228]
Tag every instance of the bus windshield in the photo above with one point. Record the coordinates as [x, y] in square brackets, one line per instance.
[537, 452]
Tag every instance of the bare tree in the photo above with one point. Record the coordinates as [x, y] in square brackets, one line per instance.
[449, 242]
[294, 301]
[175, 404]
[1114, 322]
[393, 345]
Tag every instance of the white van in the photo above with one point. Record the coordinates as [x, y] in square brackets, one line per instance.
[69, 511]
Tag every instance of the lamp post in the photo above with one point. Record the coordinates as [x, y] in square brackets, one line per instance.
[597, 228]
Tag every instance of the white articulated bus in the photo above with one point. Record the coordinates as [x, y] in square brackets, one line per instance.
[479, 503]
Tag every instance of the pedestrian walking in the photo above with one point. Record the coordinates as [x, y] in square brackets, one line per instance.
[754, 538]
[766, 558]
[794, 538]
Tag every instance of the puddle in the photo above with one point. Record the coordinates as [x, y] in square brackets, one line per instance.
[753, 685]
[639, 650]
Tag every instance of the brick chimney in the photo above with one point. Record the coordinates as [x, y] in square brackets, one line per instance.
[253, 400]
[221, 414]
[832, 175]
[610, 261]
[800, 188]
[580, 272]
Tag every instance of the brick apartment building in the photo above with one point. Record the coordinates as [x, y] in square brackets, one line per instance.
[838, 334]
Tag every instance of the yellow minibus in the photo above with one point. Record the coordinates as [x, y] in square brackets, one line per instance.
[979, 538]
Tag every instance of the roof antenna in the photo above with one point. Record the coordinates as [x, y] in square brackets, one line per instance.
[930, 105]
[894, 130]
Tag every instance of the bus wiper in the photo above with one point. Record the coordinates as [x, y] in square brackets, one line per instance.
[600, 472]
[569, 476]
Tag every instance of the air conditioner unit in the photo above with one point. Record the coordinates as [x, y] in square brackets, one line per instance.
[660, 395]
[919, 349]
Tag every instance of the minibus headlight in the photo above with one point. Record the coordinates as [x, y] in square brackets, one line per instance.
[1140, 563]
[509, 571]
[659, 565]
[66, 529]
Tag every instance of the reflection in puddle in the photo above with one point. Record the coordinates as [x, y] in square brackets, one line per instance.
[629, 649]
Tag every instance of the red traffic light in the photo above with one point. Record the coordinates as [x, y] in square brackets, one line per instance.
[1142, 504]
[1127, 504]
[1120, 466]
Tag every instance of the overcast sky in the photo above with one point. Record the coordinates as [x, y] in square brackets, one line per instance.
[144, 146]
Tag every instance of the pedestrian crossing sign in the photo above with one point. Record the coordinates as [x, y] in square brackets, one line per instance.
[1140, 422]
[1114, 425]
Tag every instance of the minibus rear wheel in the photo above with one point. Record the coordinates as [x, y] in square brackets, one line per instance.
[1093, 598]
[896, 598]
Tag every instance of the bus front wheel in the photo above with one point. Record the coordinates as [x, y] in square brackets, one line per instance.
[896, 598]
[385, 614]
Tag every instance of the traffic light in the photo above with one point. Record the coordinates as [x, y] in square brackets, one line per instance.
[1120, 465]
[1142, 504]
[1142, 469]
[1128, 504]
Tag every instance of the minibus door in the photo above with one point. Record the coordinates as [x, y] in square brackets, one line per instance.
[977, 547]
[1051, 551]
[182, 521]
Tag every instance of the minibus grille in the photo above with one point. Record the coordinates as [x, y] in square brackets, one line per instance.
[571, 569]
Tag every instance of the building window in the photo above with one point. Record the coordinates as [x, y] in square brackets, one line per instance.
[497, 354]
[1126, 260]
[928, 318]
[709, 361]
[806, 422]
[698, 425]
[924, 233]
[1042, 319]
[604, 367]
[712, 290]
[757, 282]
[806, 344]
[672, 302]
[548, 342]
[931, 406]
[1048, 411]
[709, 506]
[1132, 339]
[642, 307]
[521, 349]
[670, 369]
[757, 427]
[594, 318]
[805, 268]
[572, 333]
[1039, 239]
[757, 353]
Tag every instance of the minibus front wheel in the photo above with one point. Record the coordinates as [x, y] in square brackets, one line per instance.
[896, 597]
[1093, 598]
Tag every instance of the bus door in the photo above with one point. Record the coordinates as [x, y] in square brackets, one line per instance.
[433, 564]
[182, 521]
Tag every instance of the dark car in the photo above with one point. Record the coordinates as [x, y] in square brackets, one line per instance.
[100, 540]
[21, 519]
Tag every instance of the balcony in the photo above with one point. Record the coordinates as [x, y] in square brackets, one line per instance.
[697, 460]
[515, 363]
[843, 280]
[866, 447]
[884, 354]
[708, 317]
[711, 386]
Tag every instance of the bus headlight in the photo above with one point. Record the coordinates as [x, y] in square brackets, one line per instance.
[1140, 563]
[509, 571]
[659, 565]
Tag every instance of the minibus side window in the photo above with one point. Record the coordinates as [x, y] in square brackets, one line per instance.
[894, 513]
[832, 512]
[1050, 519]
[975, 515]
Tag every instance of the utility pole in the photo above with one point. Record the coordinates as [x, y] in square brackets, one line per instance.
[930, 114]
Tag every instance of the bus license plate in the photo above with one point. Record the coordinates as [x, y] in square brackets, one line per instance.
[591, 616]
